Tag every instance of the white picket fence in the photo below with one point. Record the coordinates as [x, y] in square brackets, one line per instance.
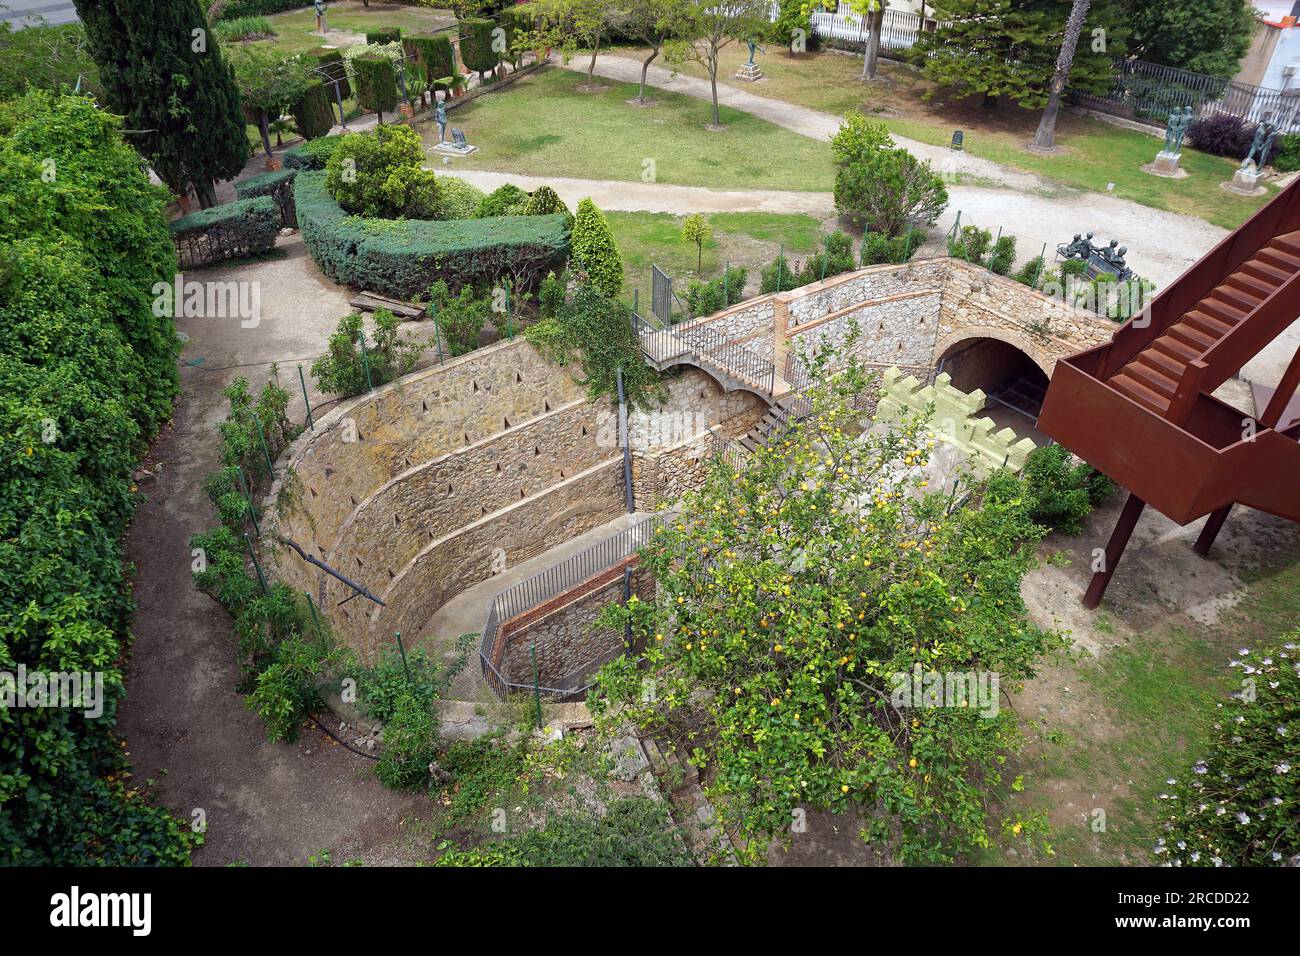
[898, 31]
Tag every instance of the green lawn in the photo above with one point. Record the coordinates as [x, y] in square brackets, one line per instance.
[1093, 155]
[295, 30]
[543, 126]
[749, 239]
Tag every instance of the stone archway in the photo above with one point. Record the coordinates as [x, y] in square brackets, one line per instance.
[1002, 369]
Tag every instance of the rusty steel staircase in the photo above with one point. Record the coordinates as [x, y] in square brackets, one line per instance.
[1140, 409]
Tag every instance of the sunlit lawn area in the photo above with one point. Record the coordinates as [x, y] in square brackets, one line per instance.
[749, 239]
[1094, 153]
[543, 126]
[295, 30]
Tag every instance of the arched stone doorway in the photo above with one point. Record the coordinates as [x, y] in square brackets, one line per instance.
[1007, 375]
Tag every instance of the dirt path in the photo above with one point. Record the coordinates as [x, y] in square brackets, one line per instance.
[1037, 211]
[186, 726]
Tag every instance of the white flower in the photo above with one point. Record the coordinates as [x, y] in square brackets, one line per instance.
[1196, 856]
[1283, 767]
[1220, 810]
[1200, 767]
[1243, 817]
[1276, 856]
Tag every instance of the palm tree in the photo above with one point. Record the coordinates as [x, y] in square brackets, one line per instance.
[1045, 138]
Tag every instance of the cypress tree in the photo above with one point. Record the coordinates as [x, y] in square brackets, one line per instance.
[161, 68]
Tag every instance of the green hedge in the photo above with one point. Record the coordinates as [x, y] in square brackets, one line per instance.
[435, 54]
[233, 230]
[313, 114]
[314, 154]
[331, 61]
[476, 45]
[277, 185]
[376, 84]
[393, 35]
[403, 257]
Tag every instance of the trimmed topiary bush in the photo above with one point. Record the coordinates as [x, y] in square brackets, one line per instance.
[314, 154]
[331, 61]
[458, 199]
[507, 200]
[278, 186]
[376, 84]
[546, 202]
[392, 35]
[1221, 135]
[404, 257]
[378, 174]
[476, 46]
[1286, 153]
[235, 9]
[313, 114]
[246, 227]
[594, 251]
[435, 54]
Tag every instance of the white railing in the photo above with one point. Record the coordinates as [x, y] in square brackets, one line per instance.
[898, 31]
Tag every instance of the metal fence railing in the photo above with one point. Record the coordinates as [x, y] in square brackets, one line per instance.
[543, 586]
[730, 356]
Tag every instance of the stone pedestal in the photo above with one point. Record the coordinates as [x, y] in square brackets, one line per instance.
[320, 26]
[749, 72]
[1166, 164]
[1245, 181]
[454, 149]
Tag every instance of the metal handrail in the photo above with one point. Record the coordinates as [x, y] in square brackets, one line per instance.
[546, 584]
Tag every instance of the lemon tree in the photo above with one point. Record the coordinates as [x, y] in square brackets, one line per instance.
[790, 594]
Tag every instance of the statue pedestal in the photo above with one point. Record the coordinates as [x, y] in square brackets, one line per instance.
[454, 149]
[1166, 165]
[749, 72]
[1245, 182]
[320, 26]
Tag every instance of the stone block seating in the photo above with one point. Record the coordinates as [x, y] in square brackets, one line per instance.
[953, 420]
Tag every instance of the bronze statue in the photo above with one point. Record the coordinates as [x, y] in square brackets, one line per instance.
[1265, 136]
[1176, 129]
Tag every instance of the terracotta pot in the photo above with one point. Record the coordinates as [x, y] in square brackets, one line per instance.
[272, 164]
[188, 203]
[407, 110]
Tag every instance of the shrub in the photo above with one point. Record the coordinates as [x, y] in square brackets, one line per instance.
[461, 318]
[836, 257]
[404, 257]
[705, 298]
[1286, 153]
[87, 362]
[410, 744]
[278, 186]
[352, 365]
[378, 174]
[1032, 272]
[598, 329]
[545, 201]
[1240, 804]
[791, 17]
[243, 28]
[878, 248]
[331, 62]
[436, 55]
[506, 200]
[458, 199]
[234, 230]
[889, 190]
[594, 251]
[476, 46]
[551, 295]
[392, 35]
[376, 84]
[234, 9]
[859, 139]
[1221, 135]
[779, 276]
[381, 686]
[970, 244]
[1061, 493]
[1003, 256]
[313, 114]
[314, 154]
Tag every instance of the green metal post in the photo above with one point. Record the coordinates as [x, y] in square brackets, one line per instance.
[510, 328]
[315, 618]
[261, 578]
[437, 330]
[306, 401]
[726, 294]
[365, 359]
[826, 245]
[780, 270]
[1042, 261]
[270, 466]
[405, 666]
[248, 495]
[537, 686]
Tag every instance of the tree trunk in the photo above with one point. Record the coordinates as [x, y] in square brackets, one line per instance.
[1045, 138]
[591, 67]
[713, 82]
[264, 128]
[206, 193]
[645, 68]
[872, 54]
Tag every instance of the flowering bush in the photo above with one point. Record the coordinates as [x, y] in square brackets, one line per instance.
[1240, 804]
